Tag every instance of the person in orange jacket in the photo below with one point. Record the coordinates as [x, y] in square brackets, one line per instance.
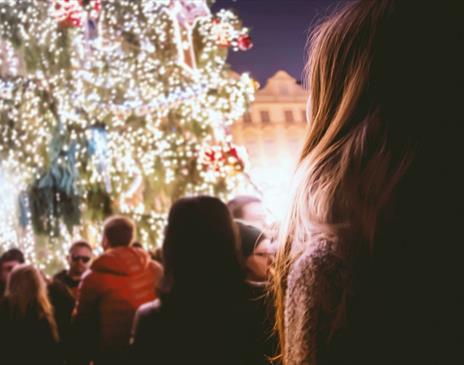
[118, 282]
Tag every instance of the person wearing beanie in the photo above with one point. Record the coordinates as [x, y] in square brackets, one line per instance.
[257, 252]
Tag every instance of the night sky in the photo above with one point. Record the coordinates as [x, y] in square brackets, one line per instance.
[279, 29]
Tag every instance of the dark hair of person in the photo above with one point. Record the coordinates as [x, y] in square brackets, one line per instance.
[250, 237]
[137, 245]
[237, 204]
[200, 250]
[119, 231]
[157, 255]
[80, 244]
[13, 254]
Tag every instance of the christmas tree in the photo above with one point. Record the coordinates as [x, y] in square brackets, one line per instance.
[113, 106]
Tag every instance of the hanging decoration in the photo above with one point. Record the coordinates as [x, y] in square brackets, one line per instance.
[244, 42]
[228, 32]
[224, 159]
[71, 13]
[188, 11]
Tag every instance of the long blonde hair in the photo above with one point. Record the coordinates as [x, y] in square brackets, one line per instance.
[26, 291]
[351, 160]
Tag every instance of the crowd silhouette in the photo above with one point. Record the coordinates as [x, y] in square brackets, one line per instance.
[200, 299]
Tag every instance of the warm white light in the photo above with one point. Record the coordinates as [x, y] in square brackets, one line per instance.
[126, 95]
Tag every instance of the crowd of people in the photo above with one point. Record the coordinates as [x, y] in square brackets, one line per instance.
[201, 299]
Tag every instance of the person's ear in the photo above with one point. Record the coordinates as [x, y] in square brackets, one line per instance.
[105, 243]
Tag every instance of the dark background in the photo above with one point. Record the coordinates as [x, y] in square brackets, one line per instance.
[279, 29]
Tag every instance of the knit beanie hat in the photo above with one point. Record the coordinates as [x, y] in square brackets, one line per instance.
[250, 236]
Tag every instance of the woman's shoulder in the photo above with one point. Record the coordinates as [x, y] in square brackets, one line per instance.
[146, 322]
[319, 261]
[318, 272]
[149, 310]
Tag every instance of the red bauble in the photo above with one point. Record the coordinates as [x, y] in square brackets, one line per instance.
[244, 42]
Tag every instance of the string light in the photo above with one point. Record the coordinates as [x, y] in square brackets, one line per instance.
[111, 105]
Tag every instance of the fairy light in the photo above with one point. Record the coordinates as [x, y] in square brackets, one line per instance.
[133, 100]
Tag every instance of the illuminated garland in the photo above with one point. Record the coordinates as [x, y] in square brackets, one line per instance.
[111, 106]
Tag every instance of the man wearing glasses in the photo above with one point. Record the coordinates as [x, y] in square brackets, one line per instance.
[63, 289]
[78, 259]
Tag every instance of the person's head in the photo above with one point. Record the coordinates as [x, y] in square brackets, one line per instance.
[257, 252]
[137, 244]
[26, 290]
[200, 247]
[8, 261]
[383, 105]
[157, 255]
[369, 77]
[249, 209]
[79, 256]
[118, 231]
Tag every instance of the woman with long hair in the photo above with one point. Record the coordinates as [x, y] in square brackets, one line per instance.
[28, 332]
[369, 266]
[202, 314]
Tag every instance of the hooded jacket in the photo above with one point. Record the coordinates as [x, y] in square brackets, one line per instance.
[118, 282]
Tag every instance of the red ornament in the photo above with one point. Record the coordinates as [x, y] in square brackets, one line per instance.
[233, 158]
[69, 12]
[210, 155]
[233, 153]
[223, 159]
[244, 43]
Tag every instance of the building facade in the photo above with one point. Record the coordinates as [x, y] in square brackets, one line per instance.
[273, 131]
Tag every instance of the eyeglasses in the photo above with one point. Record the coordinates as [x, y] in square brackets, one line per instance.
[84, 259]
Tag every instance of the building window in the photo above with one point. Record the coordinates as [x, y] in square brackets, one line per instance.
[289, 116]
[247, 118]
[303, 116]
[265, 117]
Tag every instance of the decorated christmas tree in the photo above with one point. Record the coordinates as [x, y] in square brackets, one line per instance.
[113, 106]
